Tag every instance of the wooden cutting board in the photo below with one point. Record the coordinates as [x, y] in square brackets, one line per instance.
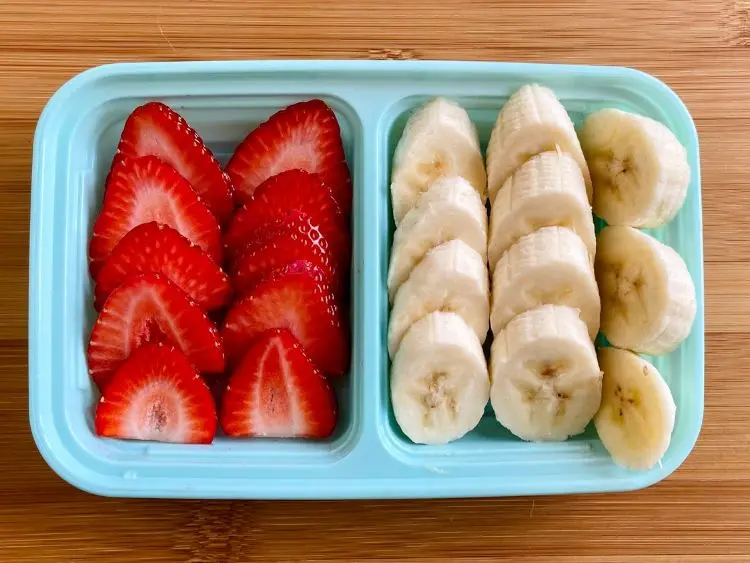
[700, 514]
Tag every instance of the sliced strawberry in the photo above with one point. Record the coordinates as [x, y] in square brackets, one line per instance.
[306, 136]
[244, 231]
[157, 395]
[302, 241]
[297, 267]
[293, 299]
[289, 196]
[149, 308]
[146, 189]
[155, 129]
[278, 392]
[156, 248]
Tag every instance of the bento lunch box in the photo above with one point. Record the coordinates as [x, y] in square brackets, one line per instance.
[368, 456]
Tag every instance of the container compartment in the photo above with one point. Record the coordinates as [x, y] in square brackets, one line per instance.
[74, 150]
[489, 444]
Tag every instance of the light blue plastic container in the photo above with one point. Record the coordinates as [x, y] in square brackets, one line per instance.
[368, 457]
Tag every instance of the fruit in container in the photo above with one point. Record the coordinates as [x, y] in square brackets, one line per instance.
[304, 136]
[295, 298]
[531, 122]
[145, 189]
[157, 395]
[449, 209]
[277, 391]
[439, 140]
[640, 170]
[149, 308]
[546, 382]
[155, 129]
[439, 382]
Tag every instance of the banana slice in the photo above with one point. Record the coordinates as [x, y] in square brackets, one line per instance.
[648, 297]
[438, 140]
[546, 191]
[449, 209]
[546, 383]
[550, 266]
[439, 381]
[639, 168]
[637, 414]
[532, 121]
[451, 277]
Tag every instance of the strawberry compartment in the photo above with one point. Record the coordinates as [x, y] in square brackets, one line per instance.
[83, 150]
[367, 456]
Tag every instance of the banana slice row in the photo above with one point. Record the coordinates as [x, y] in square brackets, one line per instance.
[640, 176]
[545, 309]
[438, 283]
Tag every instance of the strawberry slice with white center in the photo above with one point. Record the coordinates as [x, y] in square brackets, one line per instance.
[156, 248]
[293, 195]
[304, 136]
[146, 189]
[157, 395]
[295, 299]
[302, 241]
[149, 308]
[277, 391]
[157, 130]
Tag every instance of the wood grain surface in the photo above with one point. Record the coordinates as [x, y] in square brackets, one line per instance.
[700, 514]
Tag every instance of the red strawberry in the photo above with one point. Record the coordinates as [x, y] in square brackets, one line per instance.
[156, 248]
[306, 136]
[291, 195]
[296, 267]
[293, 299]
[278, 392]
[157, 395]
[145, 189]
[244, 231]
[149, 308]
[301, 242]
[155, 129]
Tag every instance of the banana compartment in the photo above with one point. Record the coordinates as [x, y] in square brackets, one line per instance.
[368, 456]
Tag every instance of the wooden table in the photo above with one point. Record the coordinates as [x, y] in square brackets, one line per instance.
[700, 514]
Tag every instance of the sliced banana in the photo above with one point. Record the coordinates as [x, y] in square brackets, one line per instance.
[637, 414]
[439, 381]
[451, 277]
[438, 140]
[647, 294]
[550, 266]
[546, 383]
[639, 169]
[546, 191]
[449, 209]
[532, 121]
